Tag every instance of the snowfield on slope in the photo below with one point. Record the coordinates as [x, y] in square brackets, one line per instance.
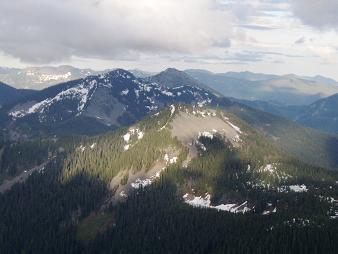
[80, 93]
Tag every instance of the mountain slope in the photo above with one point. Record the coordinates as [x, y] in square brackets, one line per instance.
[109, 100]
[277, 109]
[322, 115]
[323, 80]
[10, 95]
[307, 144]
[190, 190]
[174, 78]
[141, 74]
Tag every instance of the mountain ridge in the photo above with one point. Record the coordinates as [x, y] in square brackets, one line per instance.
[117, 92]
[288, 89]
[9, 95]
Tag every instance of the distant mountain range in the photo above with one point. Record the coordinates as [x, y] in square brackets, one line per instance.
[41, 77]
[286, 90]
[100, 102]
[38, 78]
[104, 102]
[301, 99]
[321, 114]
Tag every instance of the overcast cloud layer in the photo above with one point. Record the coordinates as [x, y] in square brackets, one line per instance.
[278, 36]
[321, 14]
[49, 30]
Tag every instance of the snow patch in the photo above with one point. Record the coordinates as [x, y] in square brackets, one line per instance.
[236, 128]
[172, 110]
[82, 148]
[141, 183]
[49, 77]
[126, 137]
[201, 145]
[125, 92]
[205, 202]
[267, 212]
[123, 194]
[236, 138]
[167, 93]
[169, 160]
[269, 168]
[205, 134]
[298, 188]
[201, 104]
[140, 135]
[294, 188]
[131, 133]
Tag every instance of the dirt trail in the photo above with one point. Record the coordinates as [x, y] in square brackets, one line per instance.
[8, 184]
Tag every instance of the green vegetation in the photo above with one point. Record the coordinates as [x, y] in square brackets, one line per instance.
[105, 156]
[124, 180]
[24, 155]
[89, 227]
[67, 208]
[17, 157]
[173, 227]
[309, 145]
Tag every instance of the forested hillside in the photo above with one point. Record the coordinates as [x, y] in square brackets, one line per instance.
[225, 189]
[11, 95]
[309, 145]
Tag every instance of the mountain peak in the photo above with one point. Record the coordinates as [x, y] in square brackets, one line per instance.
[121, 73]
[172, 70]
[172, 77]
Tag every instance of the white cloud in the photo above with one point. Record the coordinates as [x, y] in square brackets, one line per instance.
[156, 34]
[43, 31]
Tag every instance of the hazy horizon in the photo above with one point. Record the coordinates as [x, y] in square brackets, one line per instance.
[262, 36]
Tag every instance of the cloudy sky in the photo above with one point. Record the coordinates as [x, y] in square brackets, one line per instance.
[270, 36]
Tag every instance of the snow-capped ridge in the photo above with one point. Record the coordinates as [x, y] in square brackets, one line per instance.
[80, 93]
